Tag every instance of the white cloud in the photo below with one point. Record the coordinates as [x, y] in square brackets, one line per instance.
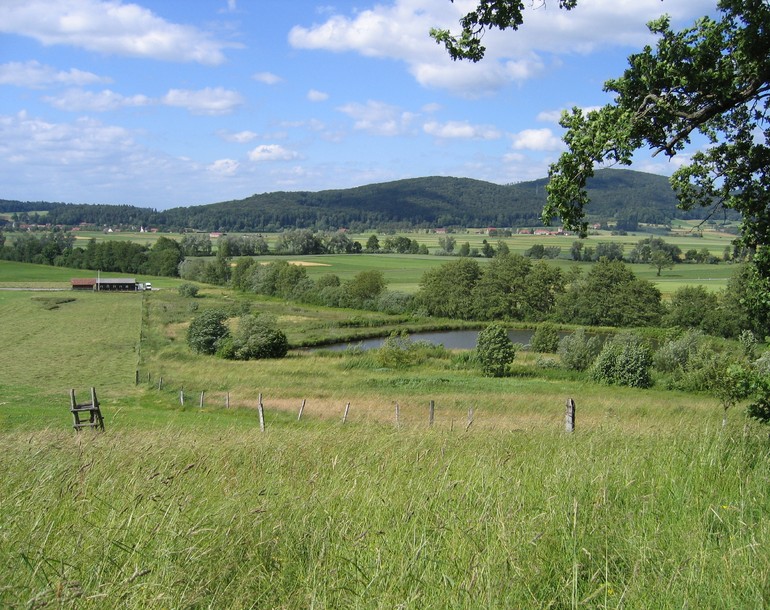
[536, 139]
[77, 100]
[39, 142]
[378, 118]
[461, 129]
[399, 31]
[267, 78]
[317, 96]
[240, 137]
[224, 167]
[109, 26]
[35, 75]
[272, 152]
[210, 100]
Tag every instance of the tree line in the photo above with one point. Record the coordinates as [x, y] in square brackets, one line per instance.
[58, 248]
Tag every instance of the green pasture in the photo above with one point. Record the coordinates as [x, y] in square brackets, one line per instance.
[650, 503]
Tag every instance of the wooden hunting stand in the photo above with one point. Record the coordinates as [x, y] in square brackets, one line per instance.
[89, 410]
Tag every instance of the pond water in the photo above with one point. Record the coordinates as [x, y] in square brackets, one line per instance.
[450, 339]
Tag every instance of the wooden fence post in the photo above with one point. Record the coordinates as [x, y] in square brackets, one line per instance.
[470, 419]
[136, 382]
[261, 409]
[569, 420]
[345, 416]
[149, 379]
[398, 416]
[160, 383]
[431, 413]
[181, 397]
[227, 400]
[301, 409]
[200, 405]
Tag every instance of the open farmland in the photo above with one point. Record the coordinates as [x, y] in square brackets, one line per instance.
[650, 503]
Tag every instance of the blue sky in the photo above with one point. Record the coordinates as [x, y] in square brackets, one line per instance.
[163, 103]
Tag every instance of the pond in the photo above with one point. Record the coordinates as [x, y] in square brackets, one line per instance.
[450, 339]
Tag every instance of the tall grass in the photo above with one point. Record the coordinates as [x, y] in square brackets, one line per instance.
[333, 517]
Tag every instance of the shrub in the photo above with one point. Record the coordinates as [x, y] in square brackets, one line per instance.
[624, 360]
[188, 290]
[676, 354]
[394, 302]
[257, 337]
[545, 339]
[495, 350]
[762, 364]
[577, 351]
[398, 351]
[206, 330]
[748, 342]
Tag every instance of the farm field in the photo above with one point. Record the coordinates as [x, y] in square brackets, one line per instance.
[649, 503]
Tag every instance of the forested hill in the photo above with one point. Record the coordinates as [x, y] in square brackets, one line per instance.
[621, 196]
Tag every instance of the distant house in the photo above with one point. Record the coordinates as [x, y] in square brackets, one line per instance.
[113, 284]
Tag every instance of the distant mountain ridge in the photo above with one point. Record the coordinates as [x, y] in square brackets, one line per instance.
[619, 196]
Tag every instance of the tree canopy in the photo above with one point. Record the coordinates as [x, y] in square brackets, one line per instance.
[711, 79]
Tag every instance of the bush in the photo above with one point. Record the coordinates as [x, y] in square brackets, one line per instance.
[675, 355]
[397, 352]
[495, 350]
[394, 302]
[578, 352]
[188, 290]
[257, 337]
[624, 360]
[206, 331]
[545, 339]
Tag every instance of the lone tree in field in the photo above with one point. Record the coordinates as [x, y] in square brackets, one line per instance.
[660, 260]
[711, 79]
[495, 350]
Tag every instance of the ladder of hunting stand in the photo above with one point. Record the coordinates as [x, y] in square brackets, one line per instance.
[86, 414]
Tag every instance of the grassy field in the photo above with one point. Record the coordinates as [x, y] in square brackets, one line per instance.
[649, 504]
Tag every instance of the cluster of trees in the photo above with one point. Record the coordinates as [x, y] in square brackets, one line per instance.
[653, 251]
[511, 287]
[366, 290]
[254, 337]
[58, 248]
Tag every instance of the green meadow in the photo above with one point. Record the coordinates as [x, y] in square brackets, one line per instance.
[650, 503]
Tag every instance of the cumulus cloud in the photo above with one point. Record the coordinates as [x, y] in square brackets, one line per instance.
[109, 26]
[224, 167]
[26, 139]
[398, 31]
[378, 118]
[317, 96]
[35, 75]
[240, 137]
[537, 139]
[461, 129]
[213, 101]
[272, 152]
[77, 100]
[267, 78]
